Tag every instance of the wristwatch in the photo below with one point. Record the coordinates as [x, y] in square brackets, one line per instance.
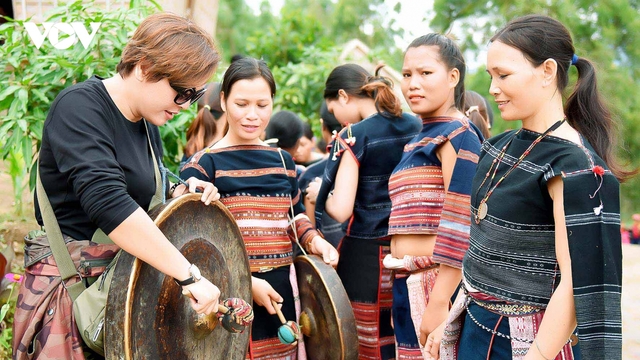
[195, 276]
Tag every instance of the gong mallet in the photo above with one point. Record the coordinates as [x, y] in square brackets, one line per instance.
[289, 331]
[234, 314]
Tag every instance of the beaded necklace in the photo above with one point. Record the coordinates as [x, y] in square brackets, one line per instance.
[483, 208]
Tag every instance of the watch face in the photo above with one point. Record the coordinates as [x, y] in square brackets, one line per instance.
[195, 272]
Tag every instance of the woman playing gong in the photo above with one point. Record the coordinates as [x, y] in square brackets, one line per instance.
[257, 183]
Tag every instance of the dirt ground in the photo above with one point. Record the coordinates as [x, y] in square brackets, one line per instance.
[13, 230]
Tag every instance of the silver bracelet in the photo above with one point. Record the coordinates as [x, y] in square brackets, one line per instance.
[535, 341]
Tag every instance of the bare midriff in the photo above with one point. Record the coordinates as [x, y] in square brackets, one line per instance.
[412, 244]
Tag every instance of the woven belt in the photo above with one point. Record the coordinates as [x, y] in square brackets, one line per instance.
[505, 309]
[410, 272]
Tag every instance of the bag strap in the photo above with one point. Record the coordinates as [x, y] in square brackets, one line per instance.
[157, 198]
[292, 221]
[59, 249]
[60, 253]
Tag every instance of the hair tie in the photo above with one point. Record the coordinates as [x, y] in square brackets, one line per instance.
[382, 79]
[574, 59]
[386, 81]
[207, 107]
[472, 109]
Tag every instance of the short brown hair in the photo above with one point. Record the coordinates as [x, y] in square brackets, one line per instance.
[173, 47]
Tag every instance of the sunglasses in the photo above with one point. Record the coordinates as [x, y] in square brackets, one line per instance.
[187, 94]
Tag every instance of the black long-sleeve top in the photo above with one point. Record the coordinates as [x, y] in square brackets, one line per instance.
[95, 165]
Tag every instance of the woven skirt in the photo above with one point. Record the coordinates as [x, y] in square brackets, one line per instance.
[410, 299]
[479, 331]
[369, 287]
[264, 330]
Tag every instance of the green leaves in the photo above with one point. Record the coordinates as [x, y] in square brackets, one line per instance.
[3, 311]
[174, 137]
[603, 32]
[33, 77]
[301, 85]
[8, 91]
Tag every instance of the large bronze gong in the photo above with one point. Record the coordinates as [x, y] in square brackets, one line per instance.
[327, 319]
[147, 317]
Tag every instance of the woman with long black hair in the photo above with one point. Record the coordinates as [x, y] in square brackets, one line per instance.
[543, 273]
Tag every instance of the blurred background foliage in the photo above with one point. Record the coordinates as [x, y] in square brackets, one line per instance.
[301, 43]
[602, 31]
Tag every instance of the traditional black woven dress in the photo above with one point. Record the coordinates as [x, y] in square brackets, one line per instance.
[376, 143]
[511, 258]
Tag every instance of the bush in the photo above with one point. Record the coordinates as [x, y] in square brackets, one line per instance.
[301, 85]
[33, 77]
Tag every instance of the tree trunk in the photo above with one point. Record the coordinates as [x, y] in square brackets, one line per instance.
[202, 12]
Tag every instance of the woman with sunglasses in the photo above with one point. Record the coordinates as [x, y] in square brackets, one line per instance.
[97, 168]
[258, 185]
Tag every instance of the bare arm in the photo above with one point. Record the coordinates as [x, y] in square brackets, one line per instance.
[560, 316]
[340, 205]
[310, 208]
[140, 237]
[448, 277]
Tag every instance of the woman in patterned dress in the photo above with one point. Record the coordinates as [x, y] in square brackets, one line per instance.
[361, 160]
[430, 190]
[257, 183]
[543, 273]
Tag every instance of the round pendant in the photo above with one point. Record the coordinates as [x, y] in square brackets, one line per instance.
[482, 210]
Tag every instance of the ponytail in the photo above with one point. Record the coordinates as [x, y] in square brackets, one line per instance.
[473, 113]
[585, 110]
[475, 108]
[380, 89]
[356, 81]
[587, 113]
[201, 132]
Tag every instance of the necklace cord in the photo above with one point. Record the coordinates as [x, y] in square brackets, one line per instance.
[479, 215]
